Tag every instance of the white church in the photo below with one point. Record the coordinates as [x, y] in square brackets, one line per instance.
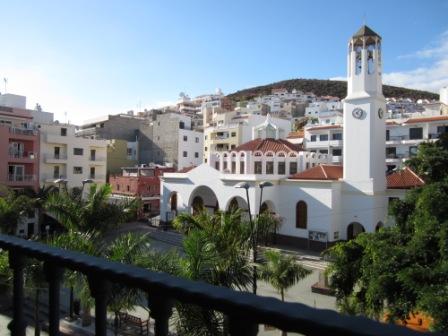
[317, 203]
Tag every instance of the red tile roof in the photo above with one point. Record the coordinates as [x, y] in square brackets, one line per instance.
[320, 172]
[426, 119]
[186, 169]
[404, 179]
[324, 127]
[266, 145]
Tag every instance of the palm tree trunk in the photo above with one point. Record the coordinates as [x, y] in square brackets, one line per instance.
[116, 324]
[86, 317]
[71, 303]
[36, 313]
[282, 293]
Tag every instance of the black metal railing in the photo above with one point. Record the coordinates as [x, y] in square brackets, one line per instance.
[244, 310]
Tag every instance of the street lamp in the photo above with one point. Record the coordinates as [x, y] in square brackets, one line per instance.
[61, 181]
[262, 185]
[84, 182]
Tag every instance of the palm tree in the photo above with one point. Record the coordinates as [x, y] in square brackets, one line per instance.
[130, 248]
[12, 208]
[282, 272]
[216, 250]
[94, 213]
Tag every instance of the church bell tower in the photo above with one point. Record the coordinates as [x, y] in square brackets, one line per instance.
[364, 113]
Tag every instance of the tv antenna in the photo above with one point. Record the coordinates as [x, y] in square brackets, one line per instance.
[6, 82]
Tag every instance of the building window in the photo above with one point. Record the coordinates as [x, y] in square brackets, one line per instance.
[241, 167]
[307, 165]
[78, 151]
[196, 155]
[442, 129]
[185, 154]
[323, 137]
[205, 148]
[56, 173]
[92, 172]
[413, 150]
[77, 170]
[391, 152]
[233, 134]
[337, 152]
[224, 165]
[387, 135]
[281, 168]
[233, 167]
[233, 147]
[197, 139]
[301, 215]
[323, 151]
[257, 167]
[336, 136]
[217, 165]
[185, 138]
[128, 188]
[118, 187]
[181, 125]
[313, 138]
[292, 168]
[63, 131]
[416, 133]
[270, 167]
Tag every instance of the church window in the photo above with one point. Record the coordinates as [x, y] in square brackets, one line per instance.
[233, 167]
[281, 168]
[225, 165]
[257, 167]
[292, 168]
[270, 167]
[301, 215]
[217, 165]
[241, 167]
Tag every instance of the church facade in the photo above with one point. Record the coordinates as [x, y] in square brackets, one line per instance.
[317, 203]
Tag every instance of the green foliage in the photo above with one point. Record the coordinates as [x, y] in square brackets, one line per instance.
[282, 271]
[12, 208]
[323, 88]
[94, 213]
[431, 161]
[267, 225]
[403, 269]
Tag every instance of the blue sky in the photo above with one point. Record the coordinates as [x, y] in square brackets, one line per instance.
[90, 58]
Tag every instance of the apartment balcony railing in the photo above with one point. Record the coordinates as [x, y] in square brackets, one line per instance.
[21, 178]
[22, 131]
[55, 157]
[244, 310]
[21, 155]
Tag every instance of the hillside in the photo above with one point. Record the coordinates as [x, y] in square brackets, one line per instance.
[325, 88]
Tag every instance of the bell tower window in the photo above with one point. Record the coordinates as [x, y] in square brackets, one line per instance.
[358, 60]
[370, 59]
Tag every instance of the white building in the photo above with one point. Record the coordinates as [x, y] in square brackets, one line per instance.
[325, 203]
[66, 156]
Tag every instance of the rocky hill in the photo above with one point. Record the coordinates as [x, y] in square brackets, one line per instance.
[325, 88]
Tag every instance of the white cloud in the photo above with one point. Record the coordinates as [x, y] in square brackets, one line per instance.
[428, 77]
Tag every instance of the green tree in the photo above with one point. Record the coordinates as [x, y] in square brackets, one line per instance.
[93, 213]
[12, 208]
[282, 272]
[402, 269]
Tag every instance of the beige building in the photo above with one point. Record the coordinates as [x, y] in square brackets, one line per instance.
[120, 153]
[71, 158]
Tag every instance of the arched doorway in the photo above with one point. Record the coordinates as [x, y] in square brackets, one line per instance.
[237, 202]
[267, 206]
[203, 198]
[378, 226]
[173, 201]
[354, 229]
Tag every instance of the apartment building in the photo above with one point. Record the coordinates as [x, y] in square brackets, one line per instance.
[68, 157]
[175, 142]
[19, 144]
[402, 138]
[229, 130]
[121, 153]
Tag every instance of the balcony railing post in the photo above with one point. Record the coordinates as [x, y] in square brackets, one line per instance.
[53, 275]
[242, 326]
[17, 326]
[99, 288]
[161, 309]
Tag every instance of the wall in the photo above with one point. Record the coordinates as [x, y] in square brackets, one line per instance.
[192, 146]
[117, 156]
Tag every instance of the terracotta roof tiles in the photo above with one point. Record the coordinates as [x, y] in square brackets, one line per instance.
[315, 128]
[426, 119]
[267, 145]
[404, 179]
[320, 172]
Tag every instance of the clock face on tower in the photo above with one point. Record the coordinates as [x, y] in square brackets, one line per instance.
[358, 113]
[380, 113]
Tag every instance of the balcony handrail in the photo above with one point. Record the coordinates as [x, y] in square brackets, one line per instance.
[21, 178]
[245, 310]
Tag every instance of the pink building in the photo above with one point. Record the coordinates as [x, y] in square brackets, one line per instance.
[141, 182]
[19, 149]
